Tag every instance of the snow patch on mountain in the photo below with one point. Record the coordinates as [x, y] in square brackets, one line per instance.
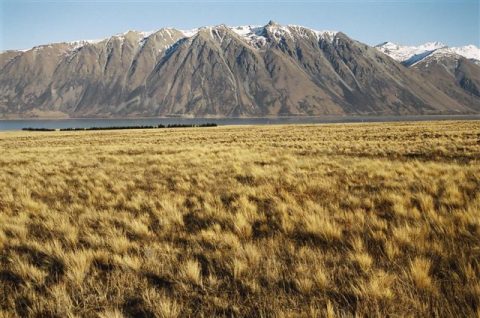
[326, 35]
[79, 44]
[190, 33]
[468, 51]
[258, 35]
[253, 34]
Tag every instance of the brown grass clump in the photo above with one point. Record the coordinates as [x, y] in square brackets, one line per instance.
[419, 271]
[265, 221]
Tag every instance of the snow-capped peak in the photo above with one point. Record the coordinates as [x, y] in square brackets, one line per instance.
[430, 46]
[190, 33]
[410, 55]
[257, 35]
[468, 51]
[140, 33]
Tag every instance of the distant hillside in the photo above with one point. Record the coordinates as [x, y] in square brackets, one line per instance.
[454, 71]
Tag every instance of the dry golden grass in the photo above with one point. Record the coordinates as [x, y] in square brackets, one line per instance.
[321, 220]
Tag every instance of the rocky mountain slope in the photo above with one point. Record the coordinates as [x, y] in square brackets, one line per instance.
[270, 70]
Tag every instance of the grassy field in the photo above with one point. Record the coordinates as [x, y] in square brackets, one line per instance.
[261, 221]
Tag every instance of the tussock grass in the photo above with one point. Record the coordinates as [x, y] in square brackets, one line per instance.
[285, 221]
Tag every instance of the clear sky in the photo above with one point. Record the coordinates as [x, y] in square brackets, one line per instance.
[26, 23]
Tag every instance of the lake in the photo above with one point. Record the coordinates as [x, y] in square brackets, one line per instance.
[18, 124]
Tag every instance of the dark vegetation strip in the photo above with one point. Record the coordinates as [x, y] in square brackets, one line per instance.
[123, 127]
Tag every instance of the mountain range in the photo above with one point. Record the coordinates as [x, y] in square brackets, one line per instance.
[246, 71]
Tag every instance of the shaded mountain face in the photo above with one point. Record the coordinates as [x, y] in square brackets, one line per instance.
[269, 70]
[454, 71]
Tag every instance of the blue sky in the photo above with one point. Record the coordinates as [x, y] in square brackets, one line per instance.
[26, 23]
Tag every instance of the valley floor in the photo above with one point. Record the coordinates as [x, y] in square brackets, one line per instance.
[305, 220]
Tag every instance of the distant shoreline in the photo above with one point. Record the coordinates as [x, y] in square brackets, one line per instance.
[326, 117]
[122, 127]
[86, 123]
